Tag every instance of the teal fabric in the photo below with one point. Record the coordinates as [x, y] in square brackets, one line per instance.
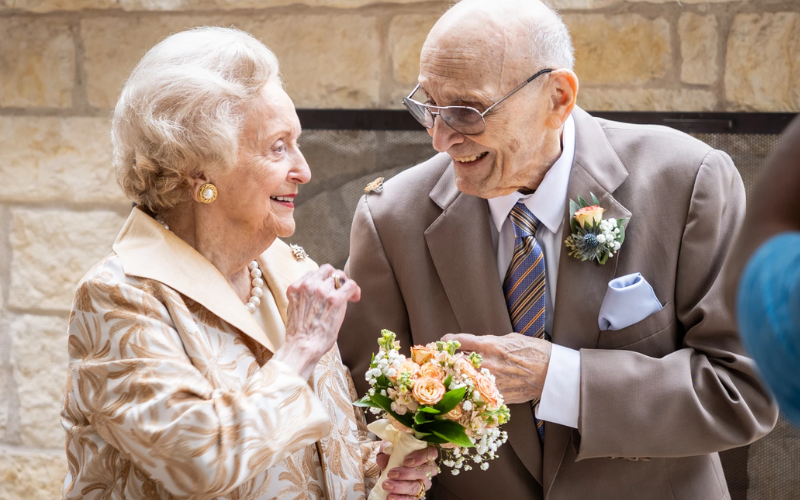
[768, 310]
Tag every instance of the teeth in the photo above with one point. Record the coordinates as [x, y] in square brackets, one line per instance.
[466, 159]
[282, 198]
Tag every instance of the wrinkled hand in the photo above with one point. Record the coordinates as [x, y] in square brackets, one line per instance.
[403, 481]
[518, 363]
[314, 315]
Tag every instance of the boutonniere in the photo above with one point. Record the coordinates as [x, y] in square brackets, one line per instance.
[592, 237]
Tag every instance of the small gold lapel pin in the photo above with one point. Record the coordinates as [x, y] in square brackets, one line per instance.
[298, 252]
[375, 186]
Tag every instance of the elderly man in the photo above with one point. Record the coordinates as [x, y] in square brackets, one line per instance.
[625, 378]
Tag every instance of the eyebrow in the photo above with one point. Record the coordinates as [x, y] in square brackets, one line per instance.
[463, 98]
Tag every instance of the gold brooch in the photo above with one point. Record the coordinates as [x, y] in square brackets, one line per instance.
[375, 186]
[298, 252]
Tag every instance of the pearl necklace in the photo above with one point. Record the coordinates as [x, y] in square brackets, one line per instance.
[256, 292]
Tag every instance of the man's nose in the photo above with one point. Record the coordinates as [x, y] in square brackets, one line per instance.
[444, 137]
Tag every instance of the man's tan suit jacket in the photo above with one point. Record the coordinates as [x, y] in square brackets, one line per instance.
[659, 398]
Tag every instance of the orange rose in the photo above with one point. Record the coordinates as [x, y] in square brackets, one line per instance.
[466, 368]
[428, 391]
[432, 370]
[593, 214]
[455, 414]
[421, 354]
[408, 367]
[487, 389]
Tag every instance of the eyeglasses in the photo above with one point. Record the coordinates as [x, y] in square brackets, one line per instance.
[463, 119]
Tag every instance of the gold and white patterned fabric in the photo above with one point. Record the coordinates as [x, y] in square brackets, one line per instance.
[171, 392]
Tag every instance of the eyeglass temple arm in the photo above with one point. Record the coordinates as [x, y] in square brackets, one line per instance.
[529, 80]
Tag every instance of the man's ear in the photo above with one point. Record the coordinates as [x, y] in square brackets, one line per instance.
[563, 97]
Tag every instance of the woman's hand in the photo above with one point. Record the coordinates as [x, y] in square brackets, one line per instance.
[314, 316]
[403, 482]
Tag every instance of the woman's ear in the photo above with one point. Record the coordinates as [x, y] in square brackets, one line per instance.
[197, 179]
[564, 95]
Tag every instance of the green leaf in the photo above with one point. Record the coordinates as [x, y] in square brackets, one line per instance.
[621, 231]
[574, 226]
[422, 417]
[429, 438]
[450, 400]
[573, 207]
[594, 199]
[450, 431]
[603, 259]
[365, 402]
[582, 202]
[428, 409]
[385, 404]
[447, 381]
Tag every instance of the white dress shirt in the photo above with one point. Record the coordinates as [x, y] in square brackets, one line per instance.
[560, 399]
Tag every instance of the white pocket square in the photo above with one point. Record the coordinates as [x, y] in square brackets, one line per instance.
[629, 299]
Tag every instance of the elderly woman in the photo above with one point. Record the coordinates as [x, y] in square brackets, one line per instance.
[202, 351]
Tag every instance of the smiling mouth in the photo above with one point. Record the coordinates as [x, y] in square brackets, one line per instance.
[470, 159]
[287, 201]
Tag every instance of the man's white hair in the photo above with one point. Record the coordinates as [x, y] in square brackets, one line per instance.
[182, 110]
[550, 42]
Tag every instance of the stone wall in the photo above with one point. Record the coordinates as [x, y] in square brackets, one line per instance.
[62, 63]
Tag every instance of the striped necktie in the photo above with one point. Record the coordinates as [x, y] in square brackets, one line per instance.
[524, 285]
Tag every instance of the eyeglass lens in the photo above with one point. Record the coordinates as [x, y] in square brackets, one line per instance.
[461, 119]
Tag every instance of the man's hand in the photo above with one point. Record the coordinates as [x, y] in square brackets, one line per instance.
[403, 483]
[518, 363]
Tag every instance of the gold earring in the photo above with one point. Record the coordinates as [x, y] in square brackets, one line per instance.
[207, 193]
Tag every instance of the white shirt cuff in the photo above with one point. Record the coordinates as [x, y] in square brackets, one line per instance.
[561, 394]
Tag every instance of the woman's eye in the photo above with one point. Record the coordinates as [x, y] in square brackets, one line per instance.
[279, 147]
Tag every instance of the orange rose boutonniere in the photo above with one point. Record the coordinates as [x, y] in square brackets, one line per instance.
[592, 237]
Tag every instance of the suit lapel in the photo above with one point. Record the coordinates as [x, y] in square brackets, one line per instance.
[463, 254]
[582, 285]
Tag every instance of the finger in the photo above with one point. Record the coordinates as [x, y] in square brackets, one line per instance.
[413, 473]
[400, 487]
[382, 459]
[415, 458]
[351, 291]
[468, 341]
[433, 453]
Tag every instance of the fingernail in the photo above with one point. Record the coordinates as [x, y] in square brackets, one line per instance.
[408, 462]
[394, 474]
[388, 485]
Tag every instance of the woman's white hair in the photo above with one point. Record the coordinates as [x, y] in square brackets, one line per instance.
[182, 110]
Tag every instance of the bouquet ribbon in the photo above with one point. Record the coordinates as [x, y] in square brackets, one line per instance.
[403, 444]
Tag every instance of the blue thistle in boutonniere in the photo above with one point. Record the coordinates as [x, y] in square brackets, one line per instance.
[592, 237]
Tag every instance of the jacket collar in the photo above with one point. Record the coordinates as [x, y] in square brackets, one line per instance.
[147, 250]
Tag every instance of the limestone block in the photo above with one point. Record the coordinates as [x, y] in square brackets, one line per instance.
[582, 4]
[406, 36]
[172, 5]
[623, 48]
[698, 35]
[39, 352]
[762, 68]
[64, 159]
[328, 61]
[610, 99]
[50, 5]
[52, 250]
[31, 476]
[37, 62]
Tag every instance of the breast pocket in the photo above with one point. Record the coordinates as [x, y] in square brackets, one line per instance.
[654, 335]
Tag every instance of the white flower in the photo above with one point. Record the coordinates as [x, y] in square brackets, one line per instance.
[467, 405]
[383, 392]
[477, 459]
[391, 373]
[601, 238]
[616, 245]
[484, 465]
[455, 472]
[616, 230]
[372, 392]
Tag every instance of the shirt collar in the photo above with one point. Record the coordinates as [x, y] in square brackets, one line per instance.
[549, 200]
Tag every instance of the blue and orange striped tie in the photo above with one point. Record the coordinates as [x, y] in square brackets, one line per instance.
[524, 285]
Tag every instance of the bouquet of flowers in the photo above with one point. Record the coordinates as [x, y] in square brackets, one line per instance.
[437, 397]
